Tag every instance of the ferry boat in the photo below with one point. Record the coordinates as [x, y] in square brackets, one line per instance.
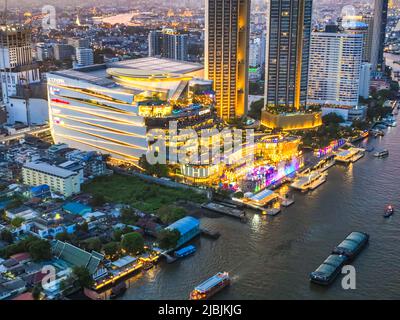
[211, 286]
[352, 245]
[309, 182]
[186, 251]
[328, 270]
[389, 210]
[381, 154]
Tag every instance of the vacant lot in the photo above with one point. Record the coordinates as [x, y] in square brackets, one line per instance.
[140, 194]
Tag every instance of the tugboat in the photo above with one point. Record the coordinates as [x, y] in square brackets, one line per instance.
[388, 211]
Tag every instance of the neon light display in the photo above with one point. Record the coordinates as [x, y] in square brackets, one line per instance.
[333, 146]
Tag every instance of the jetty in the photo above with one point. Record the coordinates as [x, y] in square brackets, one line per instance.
[227, 210]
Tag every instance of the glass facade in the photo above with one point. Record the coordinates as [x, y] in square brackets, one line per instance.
[289, 30]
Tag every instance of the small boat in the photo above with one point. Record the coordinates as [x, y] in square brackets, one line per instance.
[211, 286]
[186, 251]
[389, 210]
[381, 154]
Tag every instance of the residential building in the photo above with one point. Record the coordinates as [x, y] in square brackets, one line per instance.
[168, 43]
[379, 34]
[287, 53]
[63, 52]
[84, 57]
[335, 68]
[44, 51]
[365, 80]
[59, 180]
[227, 54]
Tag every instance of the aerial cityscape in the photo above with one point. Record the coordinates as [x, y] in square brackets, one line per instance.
[199, 150]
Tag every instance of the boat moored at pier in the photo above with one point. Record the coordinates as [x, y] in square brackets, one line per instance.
[310, 181]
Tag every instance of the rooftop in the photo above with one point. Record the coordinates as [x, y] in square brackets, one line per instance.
[49, 169]
[185, 225]
[97, 74]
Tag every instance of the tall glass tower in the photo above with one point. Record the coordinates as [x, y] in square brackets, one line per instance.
[226, 54]
[379, 33]
[287, 53]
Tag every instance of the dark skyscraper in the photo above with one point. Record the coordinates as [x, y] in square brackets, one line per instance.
[287, 54]
[379, 33]
[168, 43]
[226, 54]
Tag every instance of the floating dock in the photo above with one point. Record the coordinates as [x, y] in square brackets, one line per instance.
[220, 208]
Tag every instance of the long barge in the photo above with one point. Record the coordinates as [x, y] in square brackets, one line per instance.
[346, 251]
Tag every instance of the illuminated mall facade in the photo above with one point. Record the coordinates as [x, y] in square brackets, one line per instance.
[122, 108]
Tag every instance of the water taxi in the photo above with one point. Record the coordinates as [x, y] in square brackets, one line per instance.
[310, 181]
[211, 286]
[186, 251]
[381, 154]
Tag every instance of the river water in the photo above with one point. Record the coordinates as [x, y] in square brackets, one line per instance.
[271, 257]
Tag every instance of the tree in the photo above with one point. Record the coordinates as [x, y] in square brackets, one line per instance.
[6, 236]
[17, 221]
[128, 216]
[255, 109]
[98, 200]
[111, 249]
[63, 236]
[132, 243]
[83, 276]
[36, 291]
[83, 227]
[168, 239]
[158, 169]
[117, 235]
[93, 244]
[169, 214]
[40, 250]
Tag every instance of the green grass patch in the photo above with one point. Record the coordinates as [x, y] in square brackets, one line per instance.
[138, 193]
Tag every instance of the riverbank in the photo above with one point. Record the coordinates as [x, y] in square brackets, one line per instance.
[271, 257]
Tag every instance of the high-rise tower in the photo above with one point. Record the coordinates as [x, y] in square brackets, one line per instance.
[379, 33]
[226, 54]
[287, 53]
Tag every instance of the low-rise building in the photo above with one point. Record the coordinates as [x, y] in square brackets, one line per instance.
[59, 180]
[188, 228]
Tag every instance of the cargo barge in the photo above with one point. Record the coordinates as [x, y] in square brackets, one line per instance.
[343, 253]
[211, 286]
[352, 245]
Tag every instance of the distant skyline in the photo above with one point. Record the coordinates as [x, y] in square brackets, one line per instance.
[28, 4]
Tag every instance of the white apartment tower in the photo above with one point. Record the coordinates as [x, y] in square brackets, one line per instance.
[335, 68]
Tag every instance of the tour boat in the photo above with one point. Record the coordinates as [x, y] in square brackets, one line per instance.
[211, 286]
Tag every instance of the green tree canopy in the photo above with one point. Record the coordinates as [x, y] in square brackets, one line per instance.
[168, 239]
[132, 243]
[40, 250]
[111, 249]
[169, 213]
[83, 277]
[17, 221]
